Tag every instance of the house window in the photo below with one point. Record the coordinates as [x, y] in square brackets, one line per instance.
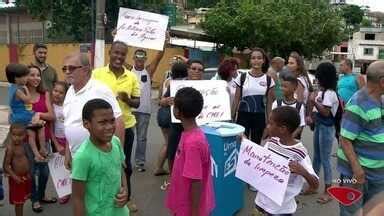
[381, 53]
[369, 37]
[368, 51]
[344, 49]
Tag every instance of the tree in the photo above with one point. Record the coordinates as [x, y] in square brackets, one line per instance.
[307, 26]
[366, 23]
[72, 18]
[352, 14]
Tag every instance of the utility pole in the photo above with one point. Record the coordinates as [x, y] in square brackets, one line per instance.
[100, 30]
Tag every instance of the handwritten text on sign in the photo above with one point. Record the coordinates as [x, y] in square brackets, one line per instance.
[60, 176]
[216, 99]
[264, 170]
[141, 29]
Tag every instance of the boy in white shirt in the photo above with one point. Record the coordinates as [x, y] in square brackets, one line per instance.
[282, 122]
[289, 86]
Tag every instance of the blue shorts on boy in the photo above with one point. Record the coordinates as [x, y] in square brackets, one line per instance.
[20, 112]
[101, 171]
[295, 152]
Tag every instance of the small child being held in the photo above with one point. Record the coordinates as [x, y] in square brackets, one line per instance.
[20, 103]
[191, 189]
[282, 123]
[99, 184]
[288, 86]
[16, 165]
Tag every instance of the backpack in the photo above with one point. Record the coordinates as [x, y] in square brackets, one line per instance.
[298, 104]
[242, 80]
[339, 114]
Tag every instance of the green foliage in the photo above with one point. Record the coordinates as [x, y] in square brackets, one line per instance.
[191, 4]
[352, 14]
[73, 18]
[366, 23]
[279, 26]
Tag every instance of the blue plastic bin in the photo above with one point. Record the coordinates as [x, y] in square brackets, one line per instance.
[224, 146]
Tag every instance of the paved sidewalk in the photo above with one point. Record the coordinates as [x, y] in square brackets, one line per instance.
[146, 187]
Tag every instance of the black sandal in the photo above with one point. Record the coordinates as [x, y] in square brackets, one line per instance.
[49, 201]
[37, 209]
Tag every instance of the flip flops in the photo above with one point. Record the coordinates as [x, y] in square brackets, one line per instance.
[49, 201]
[323, 199]
[160, 173]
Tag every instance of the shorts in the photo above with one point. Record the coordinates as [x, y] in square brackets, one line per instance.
[164, 117]
[19, 193]
[173, 140]
[23, 117]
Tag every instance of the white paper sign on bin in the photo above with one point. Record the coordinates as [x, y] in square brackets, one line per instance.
[61, 177]
[141, 29]
[265, 170]
[216, 99]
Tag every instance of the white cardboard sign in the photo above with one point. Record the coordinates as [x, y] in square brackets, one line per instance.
[265, 170]
[216, 99]
[141, 29]
[60, 175]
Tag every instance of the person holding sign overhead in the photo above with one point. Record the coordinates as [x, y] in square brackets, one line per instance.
[144, 74]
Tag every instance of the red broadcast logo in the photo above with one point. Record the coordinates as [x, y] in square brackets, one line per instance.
[345, 195]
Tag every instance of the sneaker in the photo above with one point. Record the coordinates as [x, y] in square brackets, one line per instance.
[140, 167]
[132, 206]
[165, 185]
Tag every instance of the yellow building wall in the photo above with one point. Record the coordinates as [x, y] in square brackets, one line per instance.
[56, 53]
[163, 67]
[4, 60]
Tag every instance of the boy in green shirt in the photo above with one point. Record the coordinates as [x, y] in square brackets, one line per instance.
[99, 185]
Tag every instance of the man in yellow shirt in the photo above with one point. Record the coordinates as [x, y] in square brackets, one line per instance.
[126, 87]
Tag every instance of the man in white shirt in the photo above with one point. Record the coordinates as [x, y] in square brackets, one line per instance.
[144, 74]
[78, 73]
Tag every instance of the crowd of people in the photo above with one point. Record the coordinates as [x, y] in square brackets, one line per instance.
[93, 117]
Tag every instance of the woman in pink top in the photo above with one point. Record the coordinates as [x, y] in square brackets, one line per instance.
[40, 171]
[191, 189]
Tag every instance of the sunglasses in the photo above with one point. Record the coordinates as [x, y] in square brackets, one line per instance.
[70, 68]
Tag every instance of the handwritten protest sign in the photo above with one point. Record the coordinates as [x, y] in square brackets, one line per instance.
[216, 99]
[265, 170]
[141, 29]
[60, 176]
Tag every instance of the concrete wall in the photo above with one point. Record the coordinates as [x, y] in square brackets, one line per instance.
[56, 53]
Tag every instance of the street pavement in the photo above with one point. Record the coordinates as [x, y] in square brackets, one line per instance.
[146, 187]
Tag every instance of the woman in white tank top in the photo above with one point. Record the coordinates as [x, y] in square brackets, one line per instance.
[296, 65]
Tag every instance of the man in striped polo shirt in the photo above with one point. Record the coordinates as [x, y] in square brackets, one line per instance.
[361, 156]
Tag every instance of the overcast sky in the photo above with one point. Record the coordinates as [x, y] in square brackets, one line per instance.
[374, 5]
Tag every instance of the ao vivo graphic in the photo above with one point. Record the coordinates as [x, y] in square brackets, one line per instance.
[345, 195]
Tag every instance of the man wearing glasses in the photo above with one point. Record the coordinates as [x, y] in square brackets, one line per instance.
[78, 73]
[361, 155]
